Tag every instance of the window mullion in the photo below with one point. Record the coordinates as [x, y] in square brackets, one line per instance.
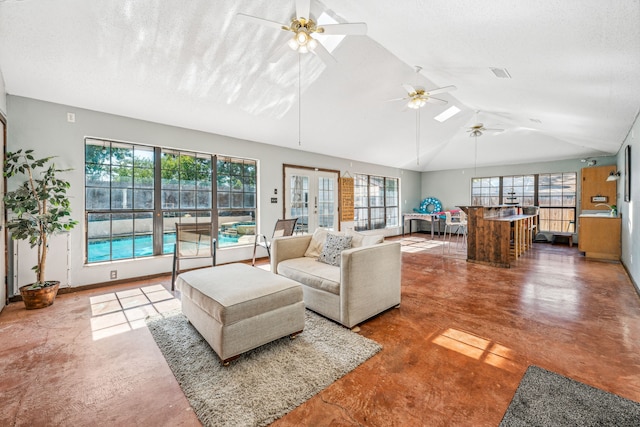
[369, 202]
[158, 238]
[214, 194]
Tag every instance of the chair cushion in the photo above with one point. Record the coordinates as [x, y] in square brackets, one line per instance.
[311, 273]
[333, 247]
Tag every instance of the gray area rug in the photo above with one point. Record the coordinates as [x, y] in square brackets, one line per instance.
[265, 383]
[545, 398]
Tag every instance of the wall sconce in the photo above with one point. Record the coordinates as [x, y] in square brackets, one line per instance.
[613, 176]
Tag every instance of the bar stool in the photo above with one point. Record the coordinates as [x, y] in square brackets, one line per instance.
[461, 226]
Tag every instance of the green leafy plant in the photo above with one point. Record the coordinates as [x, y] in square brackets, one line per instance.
[40, 205]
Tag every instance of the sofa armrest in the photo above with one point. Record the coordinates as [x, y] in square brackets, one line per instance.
[283, 248]
[369, 281]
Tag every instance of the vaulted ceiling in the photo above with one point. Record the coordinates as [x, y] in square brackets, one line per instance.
[573, 91]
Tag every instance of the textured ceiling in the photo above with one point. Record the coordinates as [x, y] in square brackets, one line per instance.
[575, 67]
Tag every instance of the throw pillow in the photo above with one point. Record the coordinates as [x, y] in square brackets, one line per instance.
[361, 239]
[316, 243]
[373, 239]
[333, 247]
[356, 242]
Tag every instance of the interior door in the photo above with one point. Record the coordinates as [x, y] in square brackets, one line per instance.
[311, 196]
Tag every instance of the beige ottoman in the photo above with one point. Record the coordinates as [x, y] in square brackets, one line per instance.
[236, 307]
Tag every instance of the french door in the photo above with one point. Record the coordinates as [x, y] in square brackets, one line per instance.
[311, 195]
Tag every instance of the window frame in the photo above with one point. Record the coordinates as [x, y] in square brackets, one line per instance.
[204, 207]
[381, 203]
[567, 217]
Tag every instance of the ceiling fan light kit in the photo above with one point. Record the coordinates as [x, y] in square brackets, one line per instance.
[417, 102]
[302, 41]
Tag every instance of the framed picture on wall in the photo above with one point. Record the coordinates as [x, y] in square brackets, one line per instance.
[627, 173]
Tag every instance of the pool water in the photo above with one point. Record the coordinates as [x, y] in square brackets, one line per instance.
[139, 246]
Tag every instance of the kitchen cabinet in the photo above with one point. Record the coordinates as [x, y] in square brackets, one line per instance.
[599, 236]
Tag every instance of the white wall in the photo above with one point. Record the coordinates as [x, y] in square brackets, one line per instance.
[43, 126]
[629, 211]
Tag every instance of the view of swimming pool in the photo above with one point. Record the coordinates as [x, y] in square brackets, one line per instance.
[138, 246]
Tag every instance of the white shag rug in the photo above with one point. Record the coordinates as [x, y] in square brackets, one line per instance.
[265, 383]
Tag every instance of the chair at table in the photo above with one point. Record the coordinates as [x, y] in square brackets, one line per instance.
[284, 227]
[193, 240]
[460, 225]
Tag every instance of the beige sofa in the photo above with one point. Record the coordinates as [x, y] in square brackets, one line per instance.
[366, 283]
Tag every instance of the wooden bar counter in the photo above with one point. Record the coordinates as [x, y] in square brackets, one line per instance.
[497, 234]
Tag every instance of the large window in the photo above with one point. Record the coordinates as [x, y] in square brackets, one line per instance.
[185, 191]
[519, 189]
[376, 202]
[485, 191]
[557, 201]
[236, 184]
[135, 194]
[554, 193]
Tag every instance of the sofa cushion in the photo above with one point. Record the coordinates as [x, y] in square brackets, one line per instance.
[361, 239]
[311, 273]
[333, 247]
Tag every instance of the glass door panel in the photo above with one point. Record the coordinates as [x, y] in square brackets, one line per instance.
[312, 197]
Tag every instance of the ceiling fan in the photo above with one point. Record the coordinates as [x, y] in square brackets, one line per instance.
[417, 96]
[303, 27]
[478, 129]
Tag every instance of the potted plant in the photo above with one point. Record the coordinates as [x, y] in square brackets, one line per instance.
[40, 208]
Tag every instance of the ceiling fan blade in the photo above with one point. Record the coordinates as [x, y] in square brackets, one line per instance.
[260, 21]
[321, 52]
[442, 90]
[493, 130]
[276, 54]
[408, 88]
[302, 8]
[397, 99]
[436, 100]
[350, 29]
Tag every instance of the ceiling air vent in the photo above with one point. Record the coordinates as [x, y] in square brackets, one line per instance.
[501, 73]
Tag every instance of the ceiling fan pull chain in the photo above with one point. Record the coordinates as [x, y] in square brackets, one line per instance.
[299, 104]
[417, 136]
[475, 157]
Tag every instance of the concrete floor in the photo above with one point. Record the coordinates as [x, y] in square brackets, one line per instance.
[454, 352]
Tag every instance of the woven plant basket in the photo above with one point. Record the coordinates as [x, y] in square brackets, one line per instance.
[39, 298]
